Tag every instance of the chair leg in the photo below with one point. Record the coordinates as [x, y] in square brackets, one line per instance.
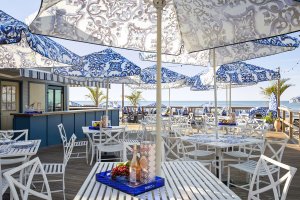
[228, 177]
[87, 154]
[64, 187]
[93, 154]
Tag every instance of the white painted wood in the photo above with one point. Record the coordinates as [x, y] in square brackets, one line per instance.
[183, 180]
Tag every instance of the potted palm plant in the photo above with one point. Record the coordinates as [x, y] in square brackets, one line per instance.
[96, 95]
[135, 97]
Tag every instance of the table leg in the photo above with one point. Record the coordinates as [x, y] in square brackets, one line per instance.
[219, 163]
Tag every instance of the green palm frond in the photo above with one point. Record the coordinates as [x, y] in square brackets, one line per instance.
[96, 95]
[273, 88]
[135, 97]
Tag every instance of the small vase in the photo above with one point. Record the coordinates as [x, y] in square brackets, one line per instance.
[277, 125]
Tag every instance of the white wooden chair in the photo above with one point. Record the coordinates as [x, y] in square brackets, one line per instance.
[55, 169]
[267, 165]
[14, 134]
[23, 187]
[79, 144]
[175, 150]
[273, 147]
[110, 141]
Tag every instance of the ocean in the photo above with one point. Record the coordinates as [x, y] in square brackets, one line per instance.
[293, 106]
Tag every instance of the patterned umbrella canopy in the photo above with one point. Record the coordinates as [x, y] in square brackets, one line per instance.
[241, 73]
[132, 24]
[295, 100]
[232, 53]
[169, 79]
[19, 48]
[154, 105]
[103, 65]
[273, 103]
[196, 83]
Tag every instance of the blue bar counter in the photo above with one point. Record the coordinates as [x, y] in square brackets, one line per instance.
[44, 126]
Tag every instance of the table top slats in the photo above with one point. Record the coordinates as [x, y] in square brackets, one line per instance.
[15, 152]
[180, 178]
[183, 180]
[214, 183]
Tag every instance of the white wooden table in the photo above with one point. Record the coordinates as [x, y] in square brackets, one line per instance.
[223, 142]
[183, 180]
[18, 152]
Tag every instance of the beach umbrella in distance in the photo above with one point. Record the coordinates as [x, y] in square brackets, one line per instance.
[240, 74]
[169, 79]
[154, 105]
[19, 48]
[133, 25]
[106, 65]
[295, 100]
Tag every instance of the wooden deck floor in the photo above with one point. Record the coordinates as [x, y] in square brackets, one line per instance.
[77, 170]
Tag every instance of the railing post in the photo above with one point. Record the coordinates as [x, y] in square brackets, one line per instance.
[299, 129]
[291, 125]
[283, 121]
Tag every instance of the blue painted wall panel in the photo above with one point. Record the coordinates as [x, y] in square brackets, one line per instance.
[38, 129]
[68, 122]
[52, 129]
[89, 117]
[79, 123]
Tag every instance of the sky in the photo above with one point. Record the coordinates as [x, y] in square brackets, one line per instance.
[288, 63]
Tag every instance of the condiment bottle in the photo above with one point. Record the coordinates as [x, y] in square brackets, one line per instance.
[135, 168]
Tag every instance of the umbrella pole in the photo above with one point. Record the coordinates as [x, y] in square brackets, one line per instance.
[215, 93]
[226, 97]
[159, 4]
[122, 102]
[278, 95]
[106, 110]
[230, 97]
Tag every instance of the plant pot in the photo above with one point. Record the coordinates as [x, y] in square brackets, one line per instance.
[277, 125]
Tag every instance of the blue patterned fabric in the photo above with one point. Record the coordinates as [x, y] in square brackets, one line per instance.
[244, 74]
[263, 111]
[148, 75]
[102, 65]
[280, 41]
[196, 84]
[13, 31]
[273, 103]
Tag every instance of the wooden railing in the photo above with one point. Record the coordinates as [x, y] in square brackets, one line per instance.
[290, 122]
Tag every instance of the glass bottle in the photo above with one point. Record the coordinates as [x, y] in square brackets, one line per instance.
[135, 168]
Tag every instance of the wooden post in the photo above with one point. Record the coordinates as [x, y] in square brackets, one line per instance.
[278, 94]
[291, 125]
[299, 128]
[283, 121]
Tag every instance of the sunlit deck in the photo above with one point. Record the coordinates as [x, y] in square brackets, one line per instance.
[77, 170]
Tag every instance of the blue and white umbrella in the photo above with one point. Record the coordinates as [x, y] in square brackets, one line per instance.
[196, 83]
[106, 65]
[19, 48]
[295, 100]
[241, 73]
[169, 79]
[273, 102]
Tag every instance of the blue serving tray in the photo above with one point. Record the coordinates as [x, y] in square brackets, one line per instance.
[94, 127]
[231, 124]
[124, 186]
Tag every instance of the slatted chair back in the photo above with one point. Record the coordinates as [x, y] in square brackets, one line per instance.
[173, 149]
[267, 164]
[14, 134]
[63, 134]
[69, 149]
[23, 187]
[275, 148]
